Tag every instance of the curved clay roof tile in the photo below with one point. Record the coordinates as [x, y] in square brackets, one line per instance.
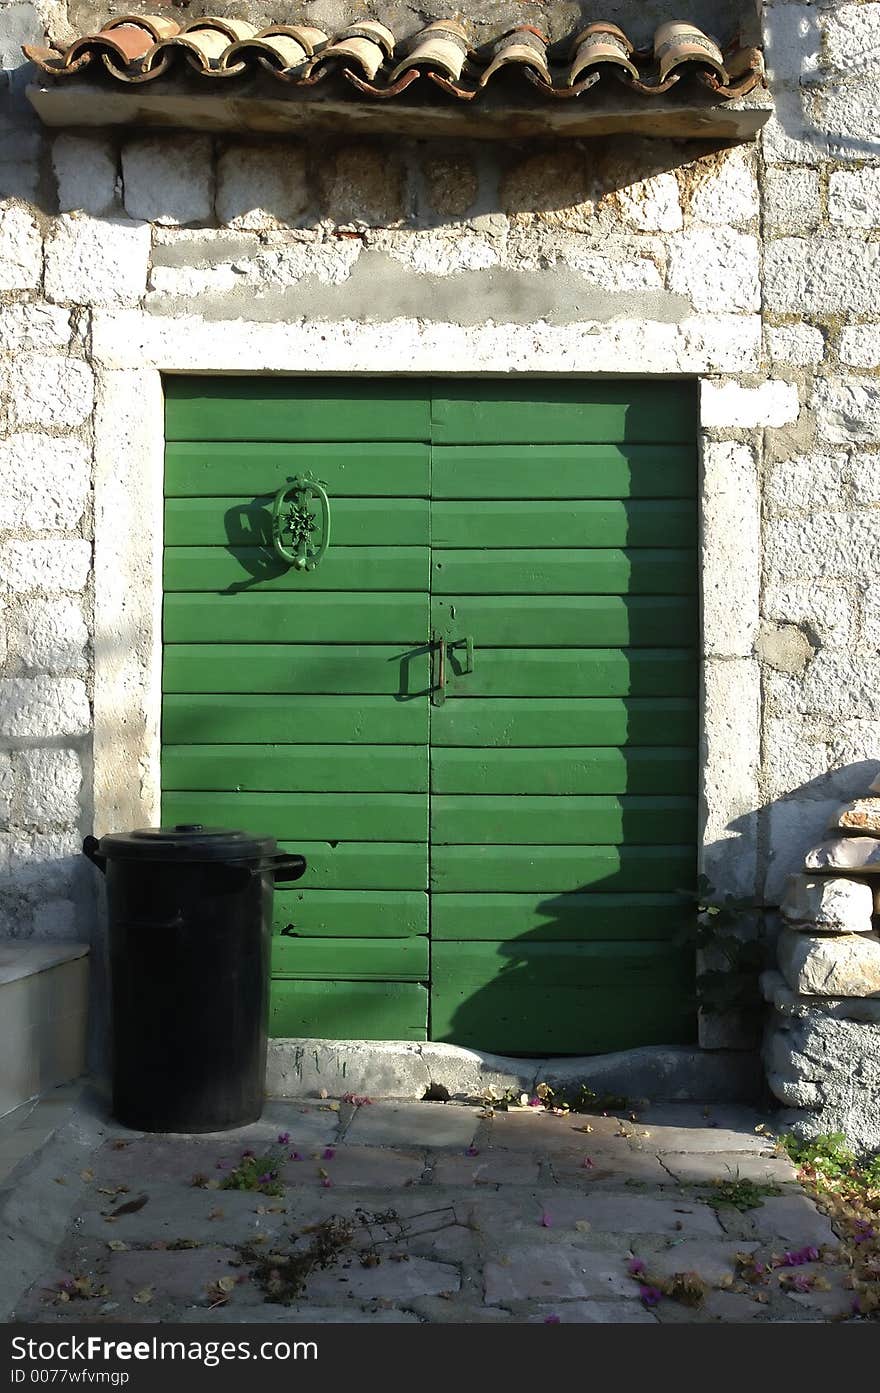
[522, 47]
[443, 44]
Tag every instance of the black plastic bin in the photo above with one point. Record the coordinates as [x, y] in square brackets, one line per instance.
[190, 921]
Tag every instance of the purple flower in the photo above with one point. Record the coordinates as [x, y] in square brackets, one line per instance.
[294, 1156]
[864, 1231]
[266, 1177]
[856, 1306]
[635, 1266]
[546, 1221]
[802, 1282]
[651, 1296]
[328, 1153]
[798, 1258]
[552, 1320]
[222, 1165]
[535, 1103]
[283, 1138]
[472, 1150]
[587, 1163]
[326, 1182]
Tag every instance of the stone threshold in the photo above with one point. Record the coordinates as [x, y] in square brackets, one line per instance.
[404, 1069]
[23, 958]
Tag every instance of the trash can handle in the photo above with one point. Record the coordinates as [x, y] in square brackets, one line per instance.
[286, 868]
[90, 849]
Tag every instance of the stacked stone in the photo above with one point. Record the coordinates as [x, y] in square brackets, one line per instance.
[823, 1046]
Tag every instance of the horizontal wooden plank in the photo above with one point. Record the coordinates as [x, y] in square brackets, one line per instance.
[351, 959]
[532, 820]
[355, 522]
[567, 672]
[566, 721]
[610, 571]
[253, 616]
[362, 865]
[296, 768]
[548, 621]
[296, 668]
[350, 913]
[563, 523]
[364, 817]
[618, 869]
[252, 469]
[555, 410]
[544, 916]
[348, 1010]
[645, 769]
[563, 471]
[561, 998]
[240, 718]
[235, 569]
[296, 408]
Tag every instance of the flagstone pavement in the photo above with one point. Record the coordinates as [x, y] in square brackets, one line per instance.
[450, 1213]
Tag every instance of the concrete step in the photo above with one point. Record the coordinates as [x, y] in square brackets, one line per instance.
[43, 1018]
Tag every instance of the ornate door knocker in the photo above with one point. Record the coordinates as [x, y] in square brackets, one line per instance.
[294, 522]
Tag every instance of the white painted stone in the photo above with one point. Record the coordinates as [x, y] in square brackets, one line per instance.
[44, 863]
[808, 482]
[790, 137]
[195, 280]
[821, 275]
[50, 391]
[43, 706]
[854, 197]
[826, 609]
[791, 200]
[870, 626]
[846, 119]
[847, 409]
[44, 482]
[168, 180]
[800, 344]
[731, 527]
[32, 324]
[45, 565]
[47, 787]
[619, 277]
[840, 686]
[435, 254]
[773, 403]
[795, 756]
[50, 635]
[260, 187]
[846, 852]
[6, 784]
[85, 172]
[839, 965]
[821, 545]
[859, 345]
[716, 268]
[652, 205]
[794, 824]
[21, 255]
[92, 261]
[861, 815]
[852, 37]
[830, 904]
[792, 40]
[731, 702]
[729, 195]
[865, 475]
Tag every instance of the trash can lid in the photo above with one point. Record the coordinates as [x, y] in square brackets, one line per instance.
[188, 841]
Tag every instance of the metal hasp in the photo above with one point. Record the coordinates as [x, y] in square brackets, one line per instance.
[294, 522]
[441, 650]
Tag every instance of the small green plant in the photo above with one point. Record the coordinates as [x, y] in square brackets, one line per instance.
[258, 1173]
[739, 1193]
[827, 1157]
[724, 930]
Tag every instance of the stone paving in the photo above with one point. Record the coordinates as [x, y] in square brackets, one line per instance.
[458, 1215]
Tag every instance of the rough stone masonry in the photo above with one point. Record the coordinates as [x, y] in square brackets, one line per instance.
[755, 266]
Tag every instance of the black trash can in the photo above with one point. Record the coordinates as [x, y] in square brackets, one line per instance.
[190, 919]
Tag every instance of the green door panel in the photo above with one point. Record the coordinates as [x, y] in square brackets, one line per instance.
[535, 820]
[546, 472]
[644, 869]
[561, 621]
[339, 1010]
[235, 570]
[661, 769]
[561, 998]
[589, 672]
[362, 865]
[552, 917]
[379, 817]
[350, 913]
[306, 668]
[246, 717]
[290, 408]
[558, 412]
[296, 768]
[356, 522]
[252, 470]
[353, 959]
[564, 523]
[316, 617]
[608, 571]
[565, 721]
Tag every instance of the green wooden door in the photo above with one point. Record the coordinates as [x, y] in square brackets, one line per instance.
[547, 797]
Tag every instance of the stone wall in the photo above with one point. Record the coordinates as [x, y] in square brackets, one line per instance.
[756, 268]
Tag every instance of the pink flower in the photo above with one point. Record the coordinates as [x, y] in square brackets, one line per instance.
[326, 1182]
[546, 1221]
[552, 1320]
[283, 1138]
[328, 1153]
[651, 1296]
[802, 1282]
[587, 1163]
[294, 1156]
[635, 1266]
[535, 1103]
[472, 1150]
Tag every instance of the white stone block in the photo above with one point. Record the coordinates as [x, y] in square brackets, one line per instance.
[847, 118]
[91, 261]
[829, 903]
[865, 475]
[861, 815]
[847, 410]
[773, 403]
[854, 197]
[839, 965]
[859, 345]
[729, 193]
[168, 180]
[794, 825]
[826, 609]
[6, 784]
[55, 919]
[731, 531]
[33, 325]
[791, 200]
[85, 172]
[795, 754]
[44, 482]
[21, 253]
[45, 565]
[261, 187]
[652, 204]
[846, 852]
[821, 546]
[50, 391]
[44, 707]
[50, 635]
[731, 698]
[800, 344]
[808, 482]
[47, 787]
[790, 137]
[792, 40]
[716, 268]
[852, 38]
[821, 275]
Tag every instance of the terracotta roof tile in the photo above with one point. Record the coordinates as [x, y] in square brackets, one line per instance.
[140, 48]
